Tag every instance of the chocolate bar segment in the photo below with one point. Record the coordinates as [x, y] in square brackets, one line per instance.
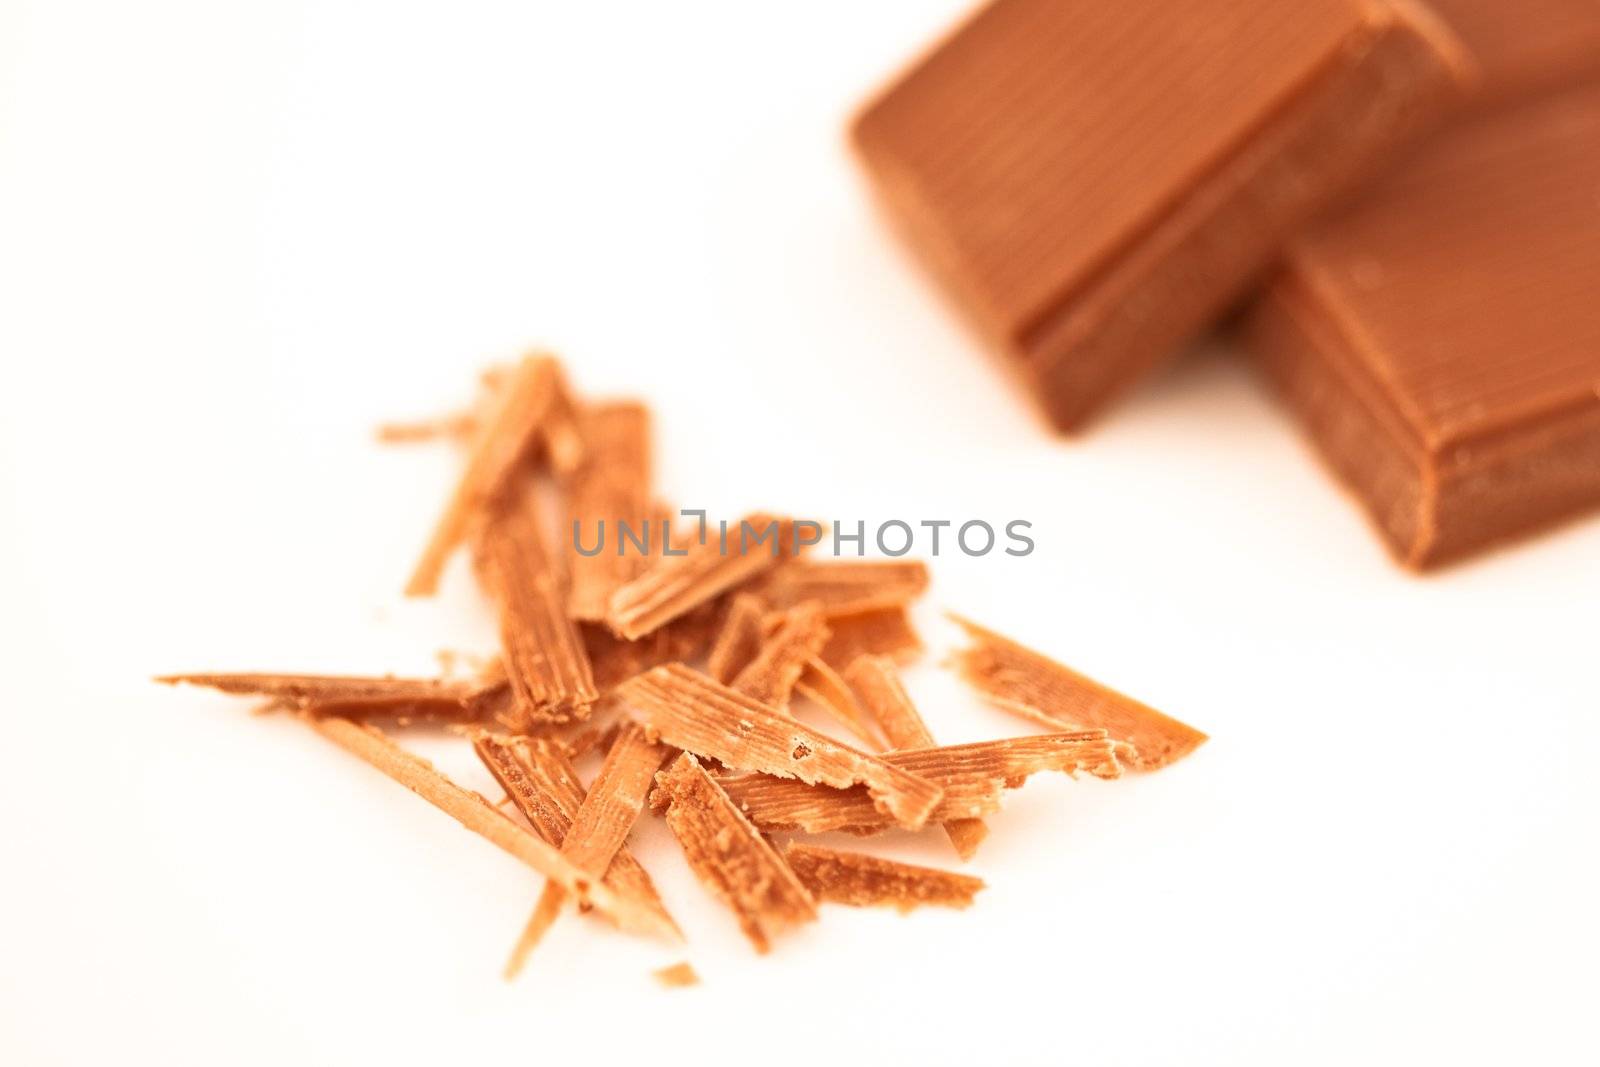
[1441, 339]
[1094, 182]
[1525, 48]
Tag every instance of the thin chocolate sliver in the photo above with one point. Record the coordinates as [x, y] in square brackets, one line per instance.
[772, 672]
[729, 856]
[1094, 183]
[608, 491]
[545, 658]
[973, 777]
[692, 712]
[524, 404]
[481, 817]
[864, 881]
[676, 584]
[878, 684]
[357, 697]
[1036, 687]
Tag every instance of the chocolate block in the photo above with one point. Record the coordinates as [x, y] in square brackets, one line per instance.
[1526, 48]
[1094, 182]
[1441, 339]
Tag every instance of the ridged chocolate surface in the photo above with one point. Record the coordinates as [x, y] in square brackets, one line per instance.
[1097, 183]
[1441, 338]
[1046, 131]
[1468, 283]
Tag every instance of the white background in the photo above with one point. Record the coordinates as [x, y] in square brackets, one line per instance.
[235, 237]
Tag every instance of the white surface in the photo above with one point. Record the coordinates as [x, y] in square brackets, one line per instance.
[234, 237]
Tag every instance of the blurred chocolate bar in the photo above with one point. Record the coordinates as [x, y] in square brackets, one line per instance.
[1096, 182]
[1526, 48]
[1441, 338]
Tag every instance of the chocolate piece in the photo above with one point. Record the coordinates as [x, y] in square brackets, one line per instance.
[677, 976]
[738, 639]
[864, 881]
[874, 633]
[1036, 687]
[355, 697]
[1441, 339]
[1526, 47]
[1095, 182]
[483, 818]
[770, 676]
[609, 487]
[676, 584]
[544, 657]
[844, 588]
[972, 777]
[525, 406]
[691, 711]
[729, 856]
[880, 688]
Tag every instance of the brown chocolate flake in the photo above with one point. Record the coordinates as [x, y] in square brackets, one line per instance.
[541, 781]
[822, 685]
[770, 676]
[878, 684]
[459, 426]
[598, 827]
[972, 776]
[863, 881]
[615, 660]
[615, 799]
[1021, 680]
[887, 632]
[739, 638]
[845, 588]
[357, 697]
[609, 488]
[478, 815]
[544, 915]
[693, 712]
[677, 976]
[510, 433]
[675, 584]
[731, 859]
[545, 658]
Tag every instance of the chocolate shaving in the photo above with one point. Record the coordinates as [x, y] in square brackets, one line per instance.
[610, 487]
[972, 776]
[677, 584]
[544, 656]
[478, 815]
[615, 799]
[1023, 681]
[845, 588]
[770, 677]
[887, 632]
[677, 976]
[822, 685]
[459, 426]
[733, 861]
[541, 781]
[739, 638]
[357, 697]
[864, 881]
[524, 402]
[599, 826]
[615, 660]
[688, 710]
[878, 684]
